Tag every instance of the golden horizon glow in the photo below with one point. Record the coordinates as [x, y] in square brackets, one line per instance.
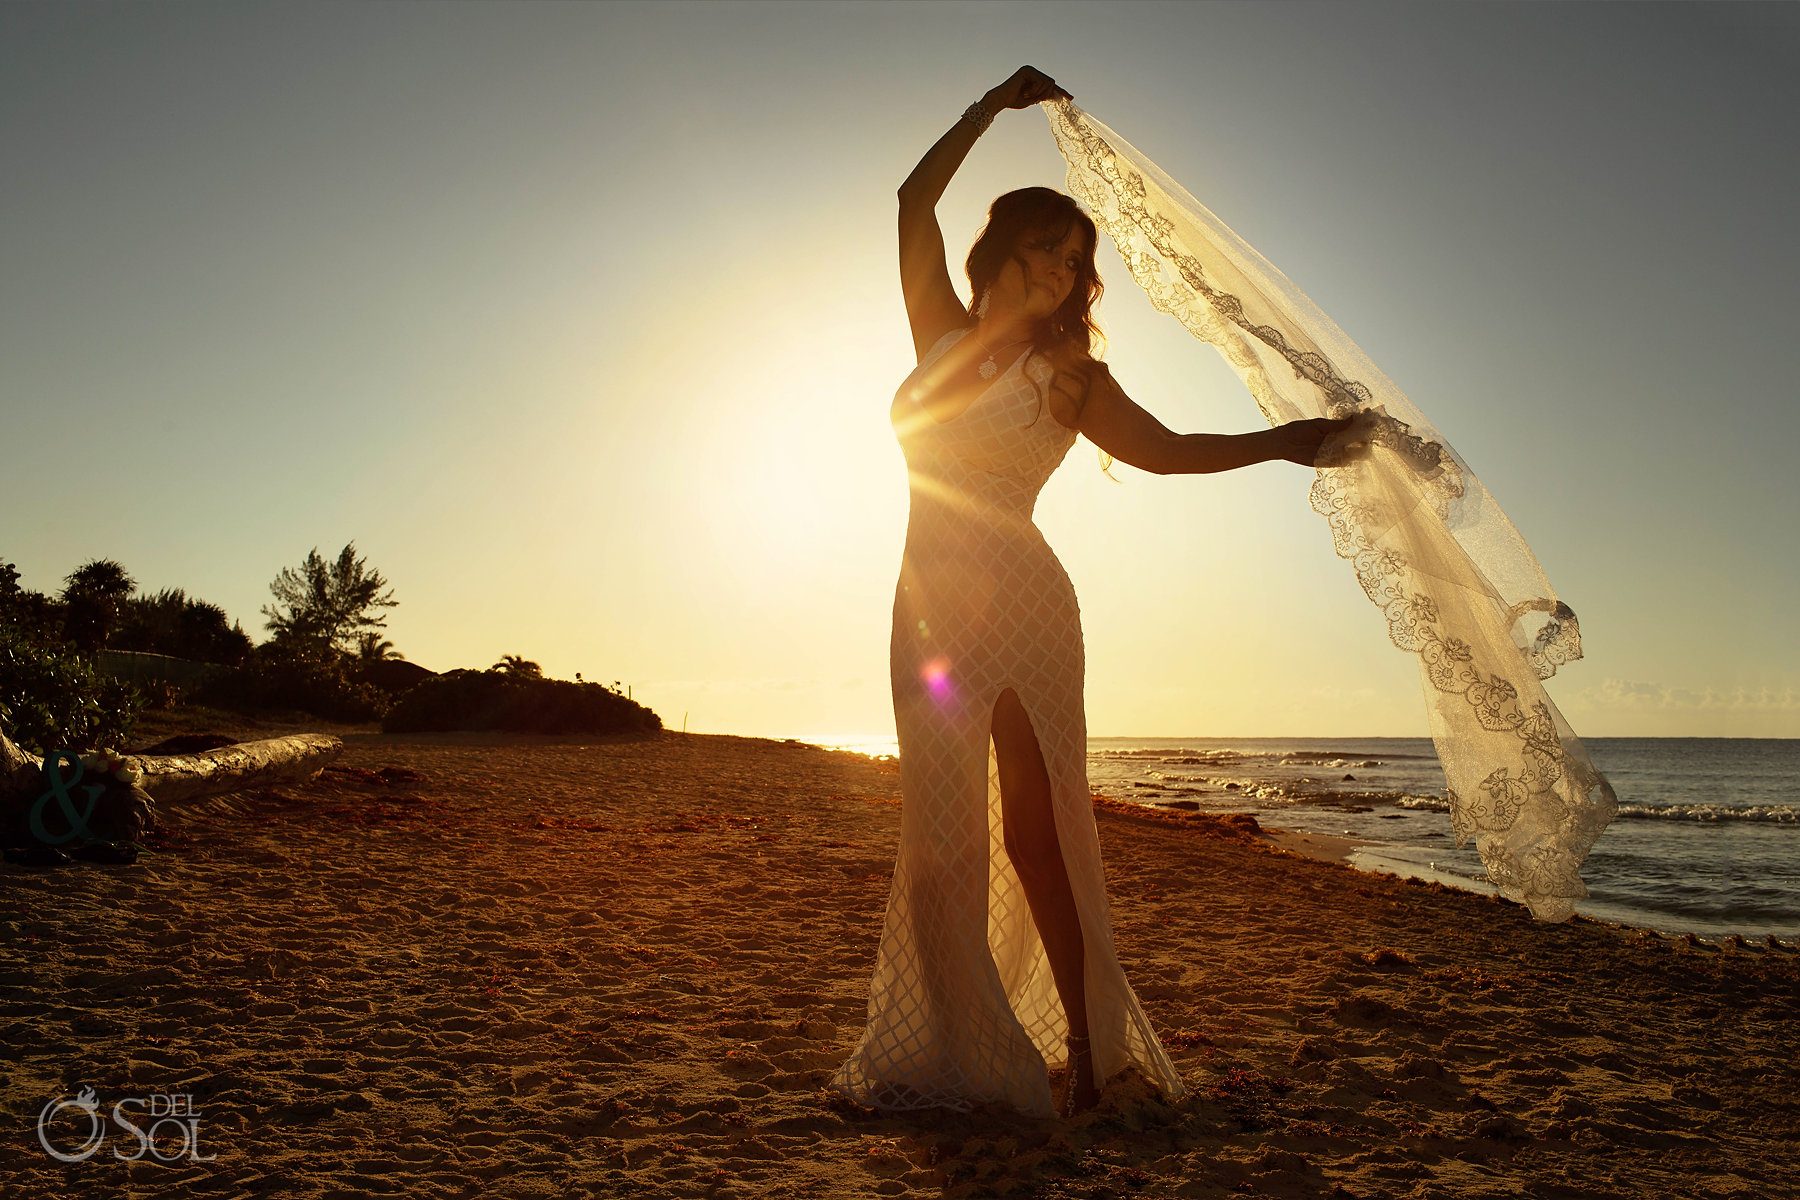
[584, 327]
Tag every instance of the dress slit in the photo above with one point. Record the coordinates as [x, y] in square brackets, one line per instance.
[1014, 940]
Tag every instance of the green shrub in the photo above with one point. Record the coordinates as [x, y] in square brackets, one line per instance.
[390, 675]
[31, 613]
[279, 675]
[466, 700]
[52, 698]
[174, 623]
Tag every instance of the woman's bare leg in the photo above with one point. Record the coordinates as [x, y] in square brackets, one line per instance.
[1029, 822]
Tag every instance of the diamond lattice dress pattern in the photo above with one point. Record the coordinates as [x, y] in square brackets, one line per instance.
[962, 1007]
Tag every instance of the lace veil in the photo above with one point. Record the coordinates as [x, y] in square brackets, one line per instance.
[1458, 585]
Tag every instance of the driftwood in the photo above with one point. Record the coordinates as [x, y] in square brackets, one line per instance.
[173, 778]
[18, 770]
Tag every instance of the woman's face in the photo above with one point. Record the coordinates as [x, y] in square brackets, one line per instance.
[1051, 268]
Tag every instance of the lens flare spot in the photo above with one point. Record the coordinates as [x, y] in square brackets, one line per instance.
[936, 675]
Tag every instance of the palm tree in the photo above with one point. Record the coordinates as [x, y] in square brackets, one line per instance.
[372, 647]
[515, 664]
[92, 596]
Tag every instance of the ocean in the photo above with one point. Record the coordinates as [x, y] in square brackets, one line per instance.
[1707, 840]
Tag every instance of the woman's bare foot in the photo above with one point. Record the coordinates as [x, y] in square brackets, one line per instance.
[1079, 1092]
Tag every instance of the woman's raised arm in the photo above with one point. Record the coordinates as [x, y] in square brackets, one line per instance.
[932, 306]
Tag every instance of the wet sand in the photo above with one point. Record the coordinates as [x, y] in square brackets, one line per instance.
[556, 967]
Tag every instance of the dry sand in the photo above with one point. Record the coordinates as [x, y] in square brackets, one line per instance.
[547, 968]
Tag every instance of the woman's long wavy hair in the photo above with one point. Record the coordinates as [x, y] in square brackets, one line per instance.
[1049, 214]
[1040, 212]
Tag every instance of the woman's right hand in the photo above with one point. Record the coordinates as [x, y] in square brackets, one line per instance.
[1026, 87]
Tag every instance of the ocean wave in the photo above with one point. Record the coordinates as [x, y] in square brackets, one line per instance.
[1770, 814]
[1203, 758]
[1321, 758]
[1184, 755]
[1214, 758]
[1286, 792]
[1298, 794]
[1773, 814]
[1366, 800]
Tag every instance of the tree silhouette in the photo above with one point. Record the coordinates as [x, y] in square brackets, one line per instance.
[372, 647]
[172, 622]
[26, 610]
[328, 606]
[517, 664]
[92, 596]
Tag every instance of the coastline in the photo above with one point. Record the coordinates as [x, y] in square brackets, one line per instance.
[584, 966]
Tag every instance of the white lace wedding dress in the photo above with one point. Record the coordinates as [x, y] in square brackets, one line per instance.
[962, 1008]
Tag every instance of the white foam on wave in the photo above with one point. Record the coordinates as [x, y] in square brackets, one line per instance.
[1771, 813]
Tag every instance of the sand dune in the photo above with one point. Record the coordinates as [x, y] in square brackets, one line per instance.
[546, 968]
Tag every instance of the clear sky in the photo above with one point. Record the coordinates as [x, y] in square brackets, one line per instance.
[582, 321]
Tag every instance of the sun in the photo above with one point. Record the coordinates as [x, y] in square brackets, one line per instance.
[801, 469]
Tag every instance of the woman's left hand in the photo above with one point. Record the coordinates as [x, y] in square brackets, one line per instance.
[1352, 443]
[1299, 441]
[1324, 441]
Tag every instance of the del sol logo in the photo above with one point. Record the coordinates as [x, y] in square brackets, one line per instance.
[72, 1130]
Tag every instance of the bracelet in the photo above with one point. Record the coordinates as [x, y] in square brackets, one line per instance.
[978, 115]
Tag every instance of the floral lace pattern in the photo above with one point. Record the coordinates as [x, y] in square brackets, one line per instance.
[1456, 582]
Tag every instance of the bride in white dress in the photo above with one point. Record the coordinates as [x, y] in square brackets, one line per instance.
[996, 955]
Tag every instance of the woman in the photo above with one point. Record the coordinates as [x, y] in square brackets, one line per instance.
[997, 951]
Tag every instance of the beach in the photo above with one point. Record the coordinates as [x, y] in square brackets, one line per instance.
[485, 965]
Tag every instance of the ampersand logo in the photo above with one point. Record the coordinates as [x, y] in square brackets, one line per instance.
[59, 792]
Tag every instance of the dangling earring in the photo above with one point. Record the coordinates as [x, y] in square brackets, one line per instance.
[981, 308]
